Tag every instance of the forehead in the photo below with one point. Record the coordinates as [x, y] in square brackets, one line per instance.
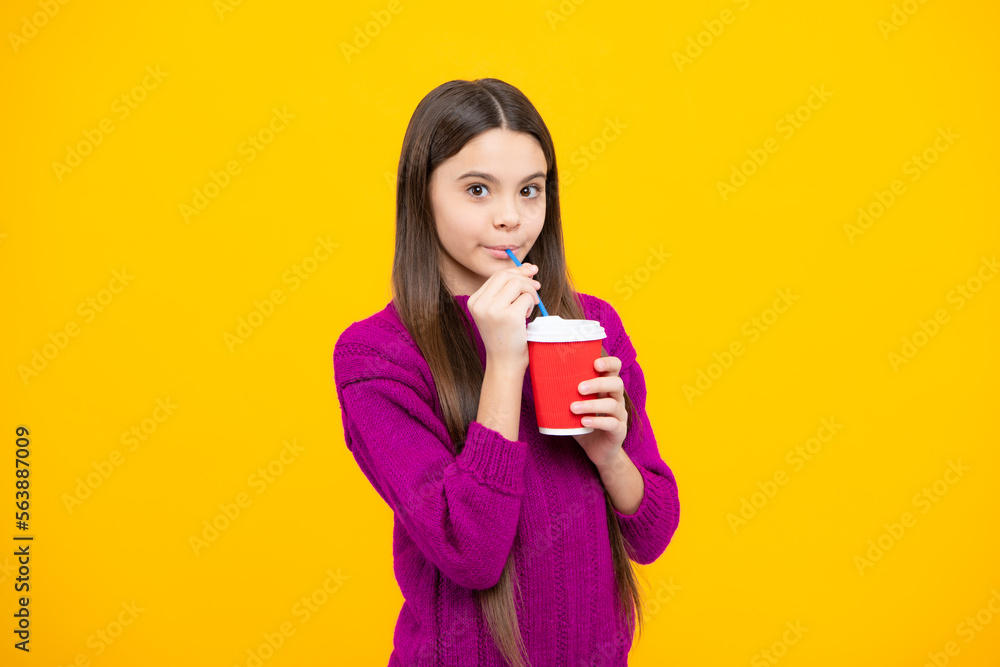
[502, 152]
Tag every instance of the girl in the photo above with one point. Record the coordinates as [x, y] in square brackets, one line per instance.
[510, 547]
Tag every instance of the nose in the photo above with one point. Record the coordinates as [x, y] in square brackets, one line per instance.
[507, 214]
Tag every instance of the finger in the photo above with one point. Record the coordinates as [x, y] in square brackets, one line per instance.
[512, 291]
[530, 287]
[596, 406]
[530, 307]
[496, 283]
[529, 271]
[511, 294]
[611, 384]
[602, 423]
[608, 364]
[535, 285]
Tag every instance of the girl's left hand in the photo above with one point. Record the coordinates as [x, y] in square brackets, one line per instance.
[604, 443]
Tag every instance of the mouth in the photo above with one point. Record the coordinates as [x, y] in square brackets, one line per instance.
[500, 251]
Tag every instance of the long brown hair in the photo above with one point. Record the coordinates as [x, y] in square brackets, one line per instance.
[443, 122]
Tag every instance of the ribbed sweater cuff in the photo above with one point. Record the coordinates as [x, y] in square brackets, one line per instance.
[493, 459]
[651, 518]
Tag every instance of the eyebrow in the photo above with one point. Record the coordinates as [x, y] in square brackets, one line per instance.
[492, 179]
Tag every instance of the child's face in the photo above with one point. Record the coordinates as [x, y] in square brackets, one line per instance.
[502, 204]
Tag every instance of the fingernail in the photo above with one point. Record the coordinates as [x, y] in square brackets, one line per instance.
[584, 388]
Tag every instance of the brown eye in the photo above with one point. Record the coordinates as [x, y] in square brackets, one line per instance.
[538, 191]
[476, 190]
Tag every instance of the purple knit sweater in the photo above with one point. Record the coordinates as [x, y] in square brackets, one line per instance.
[457, 518]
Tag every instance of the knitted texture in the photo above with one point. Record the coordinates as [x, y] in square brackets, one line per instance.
[456, 518]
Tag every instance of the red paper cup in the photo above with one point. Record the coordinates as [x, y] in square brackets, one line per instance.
[561, 355]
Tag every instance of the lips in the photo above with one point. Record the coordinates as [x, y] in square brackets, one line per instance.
[500, 252]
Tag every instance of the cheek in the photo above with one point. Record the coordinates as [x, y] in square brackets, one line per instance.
[452, 218]
[536, 213]
[460, 211]
[456, 229]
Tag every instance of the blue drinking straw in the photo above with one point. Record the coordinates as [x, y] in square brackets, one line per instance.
[545, 313]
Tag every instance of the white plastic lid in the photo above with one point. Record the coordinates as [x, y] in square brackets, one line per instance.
[554, 329]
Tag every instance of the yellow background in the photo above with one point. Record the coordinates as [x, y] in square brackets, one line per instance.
[654, 184]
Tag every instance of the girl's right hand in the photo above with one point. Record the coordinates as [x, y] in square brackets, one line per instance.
[499, 309]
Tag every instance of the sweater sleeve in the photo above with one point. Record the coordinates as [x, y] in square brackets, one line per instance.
[461, 511]
[649, 530]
